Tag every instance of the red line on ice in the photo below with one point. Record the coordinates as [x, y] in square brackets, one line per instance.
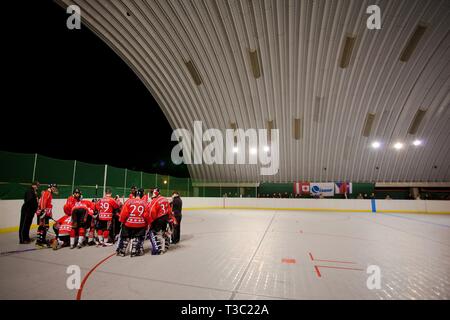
[80, 291]
[317, 271]
[337, 261]
[331, 267]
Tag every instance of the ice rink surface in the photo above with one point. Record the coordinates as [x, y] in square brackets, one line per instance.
[250, 254]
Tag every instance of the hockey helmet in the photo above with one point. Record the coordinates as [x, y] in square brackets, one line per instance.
[77, 193]
[155, 193]
[140, 193]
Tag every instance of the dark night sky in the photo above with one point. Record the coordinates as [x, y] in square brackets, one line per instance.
[67, 95]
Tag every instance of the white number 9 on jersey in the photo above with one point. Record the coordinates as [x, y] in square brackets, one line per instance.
[104, 206]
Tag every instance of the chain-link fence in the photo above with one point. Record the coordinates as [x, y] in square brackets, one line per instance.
[18, 170]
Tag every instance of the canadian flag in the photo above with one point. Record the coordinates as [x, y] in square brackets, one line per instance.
[301, 187]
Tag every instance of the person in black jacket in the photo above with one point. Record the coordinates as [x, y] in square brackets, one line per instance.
[27, 212]
[177, 205]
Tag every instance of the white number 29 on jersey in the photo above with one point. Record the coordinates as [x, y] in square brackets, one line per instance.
[104, 206]
[140, 210]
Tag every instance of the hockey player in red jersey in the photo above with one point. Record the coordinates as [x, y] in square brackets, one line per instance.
[133, 191]
[62, 229]
[134, 218]
[81, 212]
[160, 215]
[106, 208]
[93, 223]
[44, 213]
[145, 197]
[115, 230]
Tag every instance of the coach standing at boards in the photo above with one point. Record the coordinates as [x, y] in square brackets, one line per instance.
[177, 205]
[27, 212]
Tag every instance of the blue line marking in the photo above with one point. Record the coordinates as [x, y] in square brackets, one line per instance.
[374, 206]
[418, 220]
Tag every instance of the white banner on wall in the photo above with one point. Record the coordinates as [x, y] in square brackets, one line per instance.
[326, 189]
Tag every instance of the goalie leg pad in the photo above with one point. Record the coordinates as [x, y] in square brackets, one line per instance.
[161, 240]
[154, 241]
[141, 245]
[139, 236]
[123, 241]
[122, 247]
[134, 242]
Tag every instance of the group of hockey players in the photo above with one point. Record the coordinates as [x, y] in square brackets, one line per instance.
[103, 222]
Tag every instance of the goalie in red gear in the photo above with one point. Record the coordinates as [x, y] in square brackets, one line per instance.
[44, 214]
[160, 218]
[106, 208]
[134, 218]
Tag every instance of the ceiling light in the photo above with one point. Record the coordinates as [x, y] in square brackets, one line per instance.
[376, 144]
[417, 142]
[253, 151]
[266, 148]
[398, 145]
[235, 149]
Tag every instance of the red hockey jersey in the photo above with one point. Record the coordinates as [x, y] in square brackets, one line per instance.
[105, 207]
[65, 225]
[72, 204]
[45, 203]
[159, 207]
[134, 213]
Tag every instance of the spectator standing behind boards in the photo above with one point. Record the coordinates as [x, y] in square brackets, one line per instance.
[388, 197]
[27, 212]
[360, 196]
[177, 206]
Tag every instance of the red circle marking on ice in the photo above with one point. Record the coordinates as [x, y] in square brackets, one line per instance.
[80, 291]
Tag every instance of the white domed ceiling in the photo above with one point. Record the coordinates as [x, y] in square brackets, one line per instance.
[311, 69]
